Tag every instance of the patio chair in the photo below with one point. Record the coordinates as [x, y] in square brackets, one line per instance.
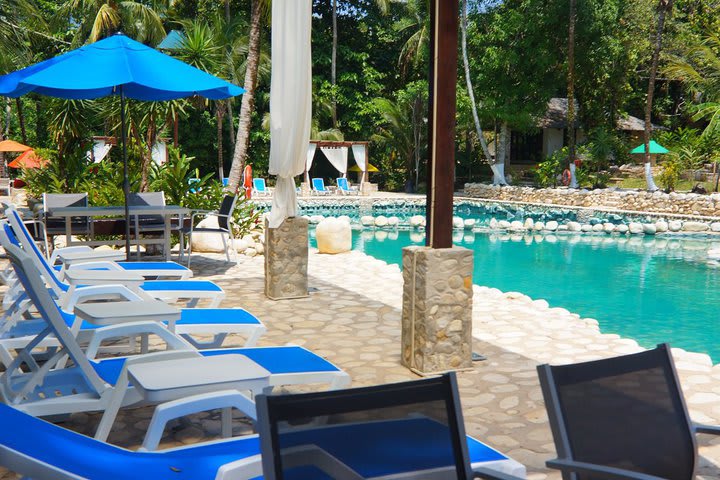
[151, 224]
[56, 225]
[6, 185]
[621, 418]
[88, 384]
[260, 189]
[344, 187]
[318, 187]
[404, 430]
[225, 221]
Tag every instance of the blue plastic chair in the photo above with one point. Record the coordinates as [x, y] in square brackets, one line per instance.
[259, 187]
[344, 187]
[318, 185]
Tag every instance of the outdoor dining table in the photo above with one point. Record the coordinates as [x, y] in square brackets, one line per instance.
[167, 212]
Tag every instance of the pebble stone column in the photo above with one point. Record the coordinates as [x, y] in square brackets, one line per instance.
[286, 259]
[437, 309]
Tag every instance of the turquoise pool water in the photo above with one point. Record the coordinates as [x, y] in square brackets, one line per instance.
[650, 289]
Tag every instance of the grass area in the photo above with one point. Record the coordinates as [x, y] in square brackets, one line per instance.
[683, 185]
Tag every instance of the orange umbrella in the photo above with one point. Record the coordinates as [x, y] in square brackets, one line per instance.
[29, 159]
[13, 146]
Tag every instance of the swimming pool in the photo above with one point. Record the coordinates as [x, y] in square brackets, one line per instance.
[650, 289]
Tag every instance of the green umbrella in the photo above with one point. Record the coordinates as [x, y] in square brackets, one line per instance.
[655, 148]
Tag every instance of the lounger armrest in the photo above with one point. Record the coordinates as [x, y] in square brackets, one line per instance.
[174, 342]
[76, 249]
[609, 473]
[194, 404]
[487, 474]
[708, 429]
[103, 292]
[95, 265]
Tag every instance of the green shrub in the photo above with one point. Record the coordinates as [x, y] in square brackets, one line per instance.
[671, 174]
[547, 172]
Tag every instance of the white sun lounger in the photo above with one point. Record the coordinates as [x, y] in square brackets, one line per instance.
[167, 290]
[87, 385]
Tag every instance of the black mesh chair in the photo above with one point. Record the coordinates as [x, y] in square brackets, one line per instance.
[225, 226]
[621, 418]
[410, 430]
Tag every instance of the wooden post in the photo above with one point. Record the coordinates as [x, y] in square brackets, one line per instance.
[441, 121]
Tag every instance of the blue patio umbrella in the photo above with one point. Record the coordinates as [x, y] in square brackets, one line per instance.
[116, 65]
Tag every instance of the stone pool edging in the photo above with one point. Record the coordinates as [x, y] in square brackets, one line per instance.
[630, 200]
[592, 220]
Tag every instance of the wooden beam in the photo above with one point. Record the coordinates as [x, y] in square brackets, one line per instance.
[441, 122]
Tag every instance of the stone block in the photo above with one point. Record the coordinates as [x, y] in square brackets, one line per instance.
[286, 259]
[333, 236]
[437, 309]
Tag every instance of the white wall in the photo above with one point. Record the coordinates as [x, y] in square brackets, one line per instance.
[552, 141]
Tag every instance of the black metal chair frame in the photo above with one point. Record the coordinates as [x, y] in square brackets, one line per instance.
[566, 461]
[226, 223]
[273, 409]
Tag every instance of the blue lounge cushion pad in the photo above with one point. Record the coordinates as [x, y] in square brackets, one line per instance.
[276, 360]
[181, 286]
[83, 456]
[217, 316]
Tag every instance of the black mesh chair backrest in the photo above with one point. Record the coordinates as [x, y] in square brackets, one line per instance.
[59, 200]
[625, 412]
[406, 430]
[148, 199]
[227, 206]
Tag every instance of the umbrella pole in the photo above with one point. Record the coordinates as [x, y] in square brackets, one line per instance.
[126, 180]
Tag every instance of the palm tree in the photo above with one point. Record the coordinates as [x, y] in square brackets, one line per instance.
[403, 132]
[571, 92]
[471, 94]
[664, 9]
[412, 53]
[215, 47]
[242, 140]
[101, 18]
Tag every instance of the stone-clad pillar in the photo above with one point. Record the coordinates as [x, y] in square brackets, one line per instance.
[286, 259]
[437, 309]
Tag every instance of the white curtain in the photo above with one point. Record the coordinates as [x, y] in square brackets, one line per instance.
[159, 153]
[360, 154]
[100, 150]
[338, 157]
[310, 155]
[290, 102]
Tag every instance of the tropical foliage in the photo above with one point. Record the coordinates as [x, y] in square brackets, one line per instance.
[370, 83]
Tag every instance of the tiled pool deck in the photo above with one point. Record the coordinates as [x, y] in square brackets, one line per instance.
[353, 318]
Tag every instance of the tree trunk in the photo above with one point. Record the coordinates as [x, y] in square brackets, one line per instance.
[231, 122]
[333, 63]
[571, 93]
[471, 94]
[247, 106]
[220, 114]
[227, 10]
[176, 124]
[21, 120]
[664, 8]
[147, 158]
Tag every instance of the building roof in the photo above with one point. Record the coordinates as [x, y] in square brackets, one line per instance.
[556, 117]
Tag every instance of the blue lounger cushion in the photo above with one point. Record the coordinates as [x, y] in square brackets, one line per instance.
[276, 360]
[170, 266]
[181, 286]
[152, 266]
[88, 458]
[392, 453]
[192, 316]
[216, 316]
